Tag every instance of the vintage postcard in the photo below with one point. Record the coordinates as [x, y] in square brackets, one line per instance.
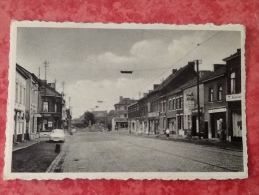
[121, 101]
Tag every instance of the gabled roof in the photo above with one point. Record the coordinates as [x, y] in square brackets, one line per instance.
[49, 90]
[126, 101]
[27, 73]
[216, 74]
[22, 71]
[172, 77]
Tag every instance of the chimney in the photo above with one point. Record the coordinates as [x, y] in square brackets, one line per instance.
[121, 97]
[155, 86]
[52, 85]
[238, 50]
[218, 66]
[174, 71]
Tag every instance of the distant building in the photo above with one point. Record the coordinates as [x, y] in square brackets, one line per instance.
[51, 108]
[120, 119]
[100, 117]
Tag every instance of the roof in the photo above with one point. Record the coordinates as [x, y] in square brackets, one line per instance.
[49, 90]
[238, 53]
[217, 73]
[126, 101]
[193, 81]
[27, 73]
[100, 114]
[171, 77]
[22, 71]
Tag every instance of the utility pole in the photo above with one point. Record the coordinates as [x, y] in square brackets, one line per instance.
[198, 97]
[46, 64]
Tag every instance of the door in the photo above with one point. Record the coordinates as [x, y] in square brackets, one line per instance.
[237, 125]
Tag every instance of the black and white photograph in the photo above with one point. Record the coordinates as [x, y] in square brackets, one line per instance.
[121, 101]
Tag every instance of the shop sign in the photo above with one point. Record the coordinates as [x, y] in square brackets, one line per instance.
[190, 100]
[153, 114]
[233, 97]
[46, 115]
[195, 111]
[218, 110]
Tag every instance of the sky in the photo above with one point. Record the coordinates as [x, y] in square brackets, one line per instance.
[89, 60]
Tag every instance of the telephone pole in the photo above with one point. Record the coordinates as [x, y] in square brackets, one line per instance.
[46, 65]
[198, 96]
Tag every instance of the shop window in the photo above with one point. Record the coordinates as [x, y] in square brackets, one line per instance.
[233, 83]
[211, 93]
[45, 106]
[220, 89]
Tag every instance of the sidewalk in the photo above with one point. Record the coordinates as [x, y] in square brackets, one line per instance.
[26, 143]
[206, 142]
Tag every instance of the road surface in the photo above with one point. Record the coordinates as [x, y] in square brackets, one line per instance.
[118, 152]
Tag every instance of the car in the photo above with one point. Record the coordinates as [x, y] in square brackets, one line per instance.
[57, 135]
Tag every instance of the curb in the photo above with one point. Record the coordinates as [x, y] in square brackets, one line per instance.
[56, 161]
[25, 146]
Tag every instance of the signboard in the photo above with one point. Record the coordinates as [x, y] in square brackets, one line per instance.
[190, 100]
[218, 110]
[46, 115]
[234, 97]
[194, 111]
[153, 114]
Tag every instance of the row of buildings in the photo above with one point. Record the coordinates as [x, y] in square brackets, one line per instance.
[39, 107]
[173, 104]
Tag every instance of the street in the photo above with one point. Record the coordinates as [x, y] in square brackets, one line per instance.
[120, 152]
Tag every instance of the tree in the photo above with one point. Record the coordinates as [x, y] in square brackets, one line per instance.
[89, 116]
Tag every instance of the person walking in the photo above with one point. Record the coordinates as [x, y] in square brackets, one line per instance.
[167, 131]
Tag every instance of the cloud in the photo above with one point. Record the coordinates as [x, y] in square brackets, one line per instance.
[89, 92]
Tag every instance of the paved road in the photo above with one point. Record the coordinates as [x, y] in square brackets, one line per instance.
[115, 152]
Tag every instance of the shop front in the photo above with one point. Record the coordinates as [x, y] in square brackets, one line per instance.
[217, 123]
[234, 117]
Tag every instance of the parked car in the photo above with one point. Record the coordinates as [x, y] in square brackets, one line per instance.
[57, 135]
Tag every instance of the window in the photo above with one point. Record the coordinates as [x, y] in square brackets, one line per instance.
[177, 103]
[24, 96]
[233, 83]
[180, 102]
[21, 94]
[173, 104]
[170, 105]
[211, 92]
[220, 93]
[125, 107]
[45, 106]
[125, 115]
[55, 107]
[164, 106]
[16, 92]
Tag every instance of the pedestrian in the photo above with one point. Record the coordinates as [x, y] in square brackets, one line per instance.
[167, 131]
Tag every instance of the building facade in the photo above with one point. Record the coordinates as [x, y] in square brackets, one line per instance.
[20, 105]
[120, 119]
[234, 97]
[51, 108]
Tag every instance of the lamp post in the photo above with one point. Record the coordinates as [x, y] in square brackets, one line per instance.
[198, 96]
